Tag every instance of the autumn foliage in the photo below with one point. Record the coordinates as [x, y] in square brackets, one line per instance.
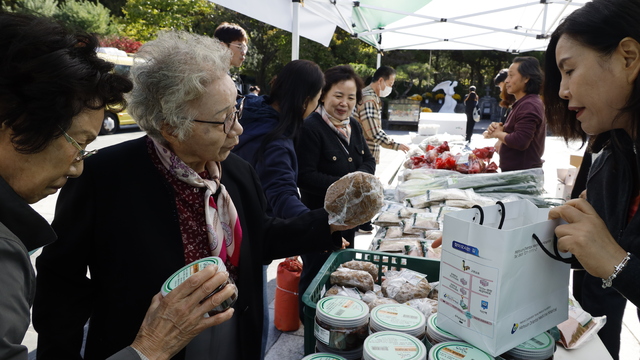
[123, 43]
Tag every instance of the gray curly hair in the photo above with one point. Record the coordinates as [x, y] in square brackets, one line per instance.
[168, 74]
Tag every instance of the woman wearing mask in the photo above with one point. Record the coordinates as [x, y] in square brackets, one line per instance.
[331, 145]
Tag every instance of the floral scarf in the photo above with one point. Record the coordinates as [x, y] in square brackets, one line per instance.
[341, 127]
[223, 225]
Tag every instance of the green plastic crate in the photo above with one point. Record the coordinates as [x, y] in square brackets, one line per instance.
[384, 261]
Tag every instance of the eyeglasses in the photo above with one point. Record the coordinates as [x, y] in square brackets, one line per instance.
[82, 153]
[231, 119]
[241, 46]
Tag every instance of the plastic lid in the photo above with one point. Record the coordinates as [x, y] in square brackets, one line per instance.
[323, 356]
[392, 345]
[539, 347]
[342, 311]
[436, 333]
[398, 317]
[457, 350]
[185, 272]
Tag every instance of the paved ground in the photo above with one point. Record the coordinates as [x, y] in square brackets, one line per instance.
[289, 345]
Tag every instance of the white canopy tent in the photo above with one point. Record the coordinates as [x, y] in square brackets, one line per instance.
[507, 25]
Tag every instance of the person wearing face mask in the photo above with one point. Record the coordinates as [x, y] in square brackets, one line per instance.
[235, 38]
[369, 112]
[331, 145]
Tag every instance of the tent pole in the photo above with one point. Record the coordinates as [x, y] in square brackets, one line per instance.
[378, 60]
[295, 30]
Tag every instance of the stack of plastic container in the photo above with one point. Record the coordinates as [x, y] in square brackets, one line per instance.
[341, 326]
[398, 317]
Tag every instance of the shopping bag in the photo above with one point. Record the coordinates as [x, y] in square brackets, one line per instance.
[286, 317]
[476, 114]
[498, 288]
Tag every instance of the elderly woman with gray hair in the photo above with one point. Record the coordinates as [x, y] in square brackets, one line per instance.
[187, 198]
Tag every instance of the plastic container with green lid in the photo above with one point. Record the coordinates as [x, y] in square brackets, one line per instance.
[398, 317]
[341, 322]
[393, 345]
[435, 334]
[457, 350]
[185, 272]
[540, 347]
[323, 356]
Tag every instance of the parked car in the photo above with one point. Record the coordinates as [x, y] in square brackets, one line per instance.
[113, 119]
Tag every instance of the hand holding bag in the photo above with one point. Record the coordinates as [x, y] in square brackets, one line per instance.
[476, 114]
[498, 288]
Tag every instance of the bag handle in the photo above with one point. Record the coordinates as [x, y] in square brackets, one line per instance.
[555, 256]
[501, 211]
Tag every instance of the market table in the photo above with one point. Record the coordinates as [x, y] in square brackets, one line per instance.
[593, 350]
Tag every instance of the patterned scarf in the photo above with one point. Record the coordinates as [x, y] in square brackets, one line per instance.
[223, 224]
[341, 127]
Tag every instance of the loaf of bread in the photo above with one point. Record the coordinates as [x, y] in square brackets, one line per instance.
[405, 285]
[359, 279]
[354, 199]
[367, 266]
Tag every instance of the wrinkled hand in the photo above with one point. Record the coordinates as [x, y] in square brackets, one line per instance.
[586, 236]
[345, 244]
[173, 321]
[403, 147]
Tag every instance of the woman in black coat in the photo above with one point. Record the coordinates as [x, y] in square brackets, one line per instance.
[330, 146]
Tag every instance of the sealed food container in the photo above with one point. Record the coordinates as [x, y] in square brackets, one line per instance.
[457, 350]
[341, 322]
[540, 347]
[323, 356]
[184, 273]
[398, 317]
[435, 334]
[383, 261]
[393, 345]
[355, 354]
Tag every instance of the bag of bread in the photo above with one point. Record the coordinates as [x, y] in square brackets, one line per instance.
[405, 285]
[580, 328]
[352, 278]
[369, 267]
[354, 199]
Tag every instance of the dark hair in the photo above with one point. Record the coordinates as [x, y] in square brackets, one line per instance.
[297, 83]
[340, 73]
[501, 77]
[48, 76]
[506, 99]
[253, 88]
[472, 88]
[229, 32]
[384, 72]
[530, 68]
[599, 25]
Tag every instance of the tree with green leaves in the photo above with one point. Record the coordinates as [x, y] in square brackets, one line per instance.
[87, 16]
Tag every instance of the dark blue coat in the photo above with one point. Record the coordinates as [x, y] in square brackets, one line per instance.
[276, 165]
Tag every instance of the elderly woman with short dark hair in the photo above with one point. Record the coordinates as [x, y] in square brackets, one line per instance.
[187, 196]
[331, 145]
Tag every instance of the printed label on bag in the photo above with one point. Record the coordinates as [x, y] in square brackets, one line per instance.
[469, 288]
[466, 248]
[412, 277]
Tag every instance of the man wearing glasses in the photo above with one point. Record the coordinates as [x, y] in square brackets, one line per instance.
[235, 38]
